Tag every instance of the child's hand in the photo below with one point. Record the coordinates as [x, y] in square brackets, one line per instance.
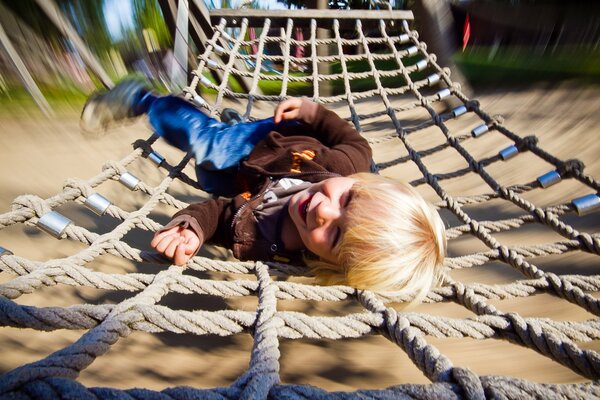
[288, 110]
[177, 243]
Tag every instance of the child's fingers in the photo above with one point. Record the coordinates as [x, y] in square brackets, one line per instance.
[165, 242]
[170, 250]
[287, 109]
[181, 254]
[160, 235]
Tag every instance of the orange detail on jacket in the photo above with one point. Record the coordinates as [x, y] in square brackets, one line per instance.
[297, 158]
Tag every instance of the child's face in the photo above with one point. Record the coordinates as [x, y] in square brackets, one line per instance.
[318, 213]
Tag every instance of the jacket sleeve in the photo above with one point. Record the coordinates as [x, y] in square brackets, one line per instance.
[348, 152]
[212, 217]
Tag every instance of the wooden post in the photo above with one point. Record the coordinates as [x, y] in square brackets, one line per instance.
[24, 74]
[178, 72]
[323, 51]
[64, 26]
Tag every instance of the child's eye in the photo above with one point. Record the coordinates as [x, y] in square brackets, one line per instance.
[336, 239]
[345, 200]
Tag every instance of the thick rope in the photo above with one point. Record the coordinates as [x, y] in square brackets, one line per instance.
[54, 376]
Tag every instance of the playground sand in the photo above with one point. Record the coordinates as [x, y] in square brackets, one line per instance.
[38, 155]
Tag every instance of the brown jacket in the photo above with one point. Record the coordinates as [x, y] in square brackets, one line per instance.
[324, 145]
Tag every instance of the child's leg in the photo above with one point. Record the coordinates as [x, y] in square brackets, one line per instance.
[217, 147]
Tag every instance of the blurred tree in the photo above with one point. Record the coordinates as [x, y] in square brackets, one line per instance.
[149, 16]
[86, 16]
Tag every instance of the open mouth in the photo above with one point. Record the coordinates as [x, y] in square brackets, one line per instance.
[303, 207]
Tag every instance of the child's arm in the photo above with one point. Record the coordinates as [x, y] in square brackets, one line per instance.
[181, 238]
[344, 142]
[177, 243]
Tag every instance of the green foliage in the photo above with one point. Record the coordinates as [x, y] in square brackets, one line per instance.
[86, 17]
[481, 65]
[149, 16]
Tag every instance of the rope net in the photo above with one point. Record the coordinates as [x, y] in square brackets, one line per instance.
[402, 110]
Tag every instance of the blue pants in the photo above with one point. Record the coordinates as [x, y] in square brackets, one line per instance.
[217, 147]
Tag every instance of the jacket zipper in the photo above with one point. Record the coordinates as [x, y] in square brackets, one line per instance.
[247, 203]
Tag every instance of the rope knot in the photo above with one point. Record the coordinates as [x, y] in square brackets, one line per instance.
[31, 202]
[144, 145]
[447, 72]
[472, 105]
[571, 168]
[527, 142]
[83, 188]
[497, 120]
[115, 167]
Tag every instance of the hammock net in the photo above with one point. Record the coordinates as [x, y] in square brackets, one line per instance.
[380, 77]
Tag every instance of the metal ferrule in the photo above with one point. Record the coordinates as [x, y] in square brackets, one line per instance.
[130, 181]
[97, 203]
[219, 50]
[5, 252]
[205, 81]
[211, 64]
[509, 152]
[460, 110]
[431, 79]
[412, 50]
[480, 130]
[156, 158]
[443, 93]
[422, 64]
[198, 100]
[586, 204]
[549, 179]
[404, 38]
[54, 223]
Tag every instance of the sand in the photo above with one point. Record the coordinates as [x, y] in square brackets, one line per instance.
[37, 155]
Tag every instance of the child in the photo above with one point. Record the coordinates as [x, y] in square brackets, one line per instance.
[302, 193]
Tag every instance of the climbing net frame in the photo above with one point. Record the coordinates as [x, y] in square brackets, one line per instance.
[424, 85]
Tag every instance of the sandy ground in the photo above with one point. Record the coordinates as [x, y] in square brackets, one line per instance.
[38, 154]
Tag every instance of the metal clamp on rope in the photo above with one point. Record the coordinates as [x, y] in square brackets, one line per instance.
[219, 50]
[509, 152]
[549, 179]
[586, 204]
[443, 93]
[480, 130]
[5, 252]
[130, 181]
[97, 203]
[156, 158]
[198, 100]
[404, 38]
[212, 64]
[412, 50]
[205, 81]
[460, 110]
[54, 223]
[433, 78]
[422, 64]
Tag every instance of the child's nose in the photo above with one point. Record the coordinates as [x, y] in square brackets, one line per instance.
[327, 212]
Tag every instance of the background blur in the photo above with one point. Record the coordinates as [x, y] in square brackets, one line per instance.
[493, 43]
[534, 62]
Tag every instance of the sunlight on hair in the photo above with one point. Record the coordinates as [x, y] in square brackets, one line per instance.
[394, 243]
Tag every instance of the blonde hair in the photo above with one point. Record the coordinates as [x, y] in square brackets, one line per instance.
[394, 242]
